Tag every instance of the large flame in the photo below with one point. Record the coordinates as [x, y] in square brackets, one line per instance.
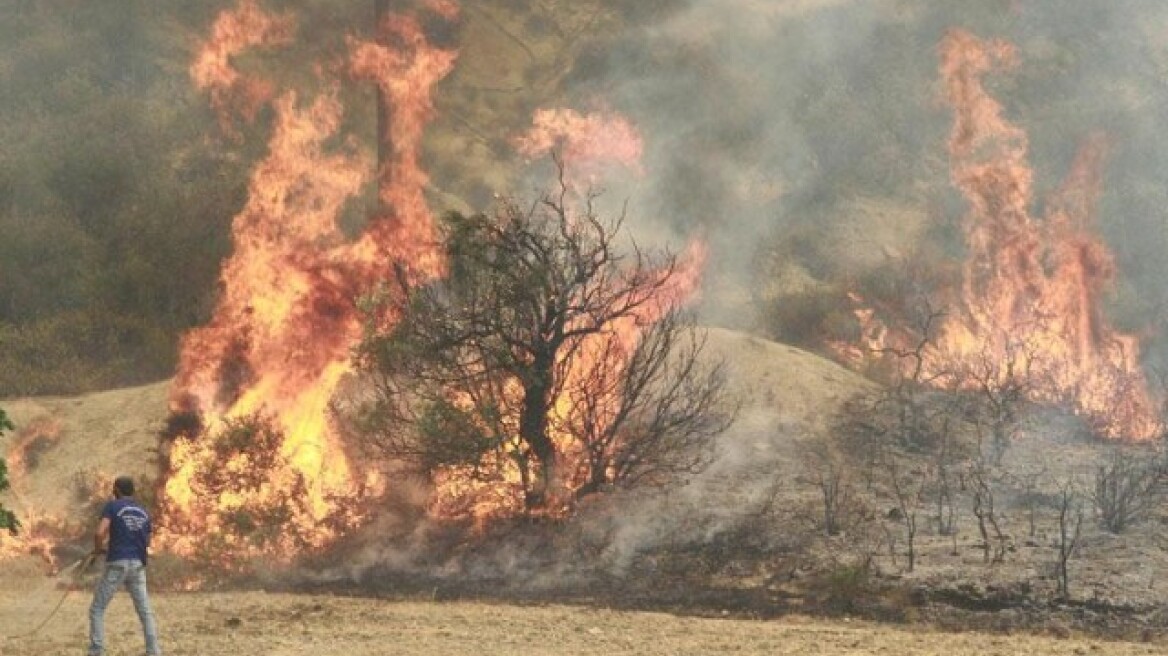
[1032, 288]
[280, 338]
[405, 68]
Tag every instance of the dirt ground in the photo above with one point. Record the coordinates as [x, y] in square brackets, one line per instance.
[211, 624]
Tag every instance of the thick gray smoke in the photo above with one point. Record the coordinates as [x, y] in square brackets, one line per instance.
[768, 122]
[804, 139]
[810, 136]
[772, 123]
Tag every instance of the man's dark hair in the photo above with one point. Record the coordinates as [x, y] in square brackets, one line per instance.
[124, 486]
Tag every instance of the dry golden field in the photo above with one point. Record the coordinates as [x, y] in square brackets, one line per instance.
[255, 623]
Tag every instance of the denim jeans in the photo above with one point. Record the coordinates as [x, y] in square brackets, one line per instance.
[132, 574]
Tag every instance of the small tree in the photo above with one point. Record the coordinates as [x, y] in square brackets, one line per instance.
[246, 496]
[7, 517]
[988, 518]
[906, 488]
[907, 419]
[1127, 488]
[999, 386]
[827, 471]
[1070, 523]
[547, 355]
[1031, 496]
[909, 414]
[945, 457]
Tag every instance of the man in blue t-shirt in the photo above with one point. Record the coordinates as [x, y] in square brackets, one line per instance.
[123, 534]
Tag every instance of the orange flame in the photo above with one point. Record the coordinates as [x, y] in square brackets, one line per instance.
[280, 338]
[278, 344]
[40, 533]
[232, 33]
[1029, 282]
[404, 67]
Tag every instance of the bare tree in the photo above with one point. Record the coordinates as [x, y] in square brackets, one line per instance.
[945, 459]
[908, 414]
[828, 472]
[906, 487]
[1127, 487]
[994, 540]
[910, 399]
[1031, 496]
[548, 351]
[646, 415]
[1070, 523]
[1001, 385]
[907, 418]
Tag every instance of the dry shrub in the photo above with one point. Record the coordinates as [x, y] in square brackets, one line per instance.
[1127, 488]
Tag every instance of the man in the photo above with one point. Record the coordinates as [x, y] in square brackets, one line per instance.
[123, 534]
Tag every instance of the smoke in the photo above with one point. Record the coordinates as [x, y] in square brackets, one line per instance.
[613, 536]
[764, 120]
[747, 109]
[760, 119]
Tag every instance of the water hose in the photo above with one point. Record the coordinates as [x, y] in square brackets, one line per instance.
[77, 567]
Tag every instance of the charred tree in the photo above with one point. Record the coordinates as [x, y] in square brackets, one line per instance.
[1070, 524]
[999, 388]
[547, 351]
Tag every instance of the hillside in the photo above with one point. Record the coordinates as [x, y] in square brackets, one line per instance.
[65, 449]
[808, 145]
[62, 445]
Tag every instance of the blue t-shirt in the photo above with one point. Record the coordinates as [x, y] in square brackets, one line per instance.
[129, 530]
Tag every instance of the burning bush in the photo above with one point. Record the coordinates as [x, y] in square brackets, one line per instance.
[247, 497]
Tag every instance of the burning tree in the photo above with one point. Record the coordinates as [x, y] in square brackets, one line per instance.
[548, 365]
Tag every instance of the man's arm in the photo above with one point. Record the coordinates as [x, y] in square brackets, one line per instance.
[101, 536]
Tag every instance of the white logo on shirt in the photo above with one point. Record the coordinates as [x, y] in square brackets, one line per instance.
[134, 518]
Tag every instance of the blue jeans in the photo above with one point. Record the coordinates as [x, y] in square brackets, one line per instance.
[132, 574]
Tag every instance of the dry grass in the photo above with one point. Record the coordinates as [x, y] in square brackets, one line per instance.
[286, 625]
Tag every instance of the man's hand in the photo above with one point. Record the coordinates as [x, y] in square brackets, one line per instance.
[101, 536]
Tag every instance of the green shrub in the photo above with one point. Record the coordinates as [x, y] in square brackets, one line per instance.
[7, 517]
